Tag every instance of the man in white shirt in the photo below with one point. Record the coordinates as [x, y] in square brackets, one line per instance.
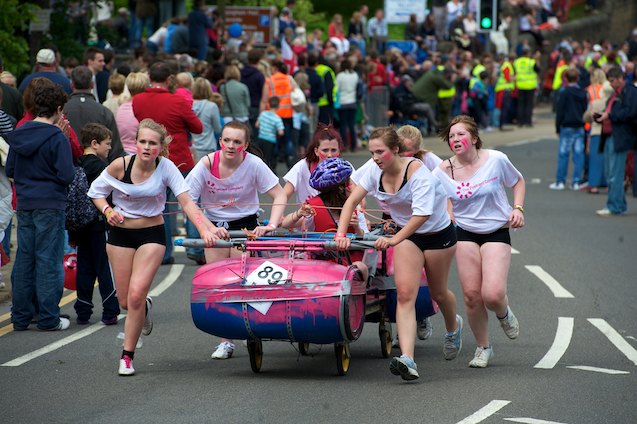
[377, 31]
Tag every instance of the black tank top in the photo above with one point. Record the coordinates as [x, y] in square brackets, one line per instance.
[380, 183]
[127, 171]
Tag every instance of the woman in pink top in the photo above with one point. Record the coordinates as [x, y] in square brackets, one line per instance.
[137, 82]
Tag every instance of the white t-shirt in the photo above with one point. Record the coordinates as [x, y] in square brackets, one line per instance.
[480, 204]
[431, 161]
[422, 195]
[231, 198]
[299, 177]
[146, 199]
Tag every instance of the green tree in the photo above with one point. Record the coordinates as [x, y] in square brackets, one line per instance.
[14, 20]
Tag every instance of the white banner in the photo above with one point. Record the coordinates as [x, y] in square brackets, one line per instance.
[398, 11]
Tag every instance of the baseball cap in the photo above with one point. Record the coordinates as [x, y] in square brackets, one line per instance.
[597, 48]
[45, 56]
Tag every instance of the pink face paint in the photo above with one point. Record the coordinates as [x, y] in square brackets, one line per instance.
[139, 149]
[386, 156]
[154, 151]
[240, 149]
[465, 143]
[322, 156]
[223, 146]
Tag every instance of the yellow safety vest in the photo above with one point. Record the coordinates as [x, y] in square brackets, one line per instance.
[557, 78]
[322, 70]
[525, 75]
[477, 70]
[502, 84]
[445, 93]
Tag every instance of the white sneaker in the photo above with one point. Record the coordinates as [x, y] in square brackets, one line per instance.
[510, 324]
[481, 357]
[126, 366]
[148, 321]
[424, 329]
[223, 351]
[557, 186]
[576, 186]
[64, 324]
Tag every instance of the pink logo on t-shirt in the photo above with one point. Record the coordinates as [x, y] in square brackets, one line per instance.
[464, 190]
[211, 186]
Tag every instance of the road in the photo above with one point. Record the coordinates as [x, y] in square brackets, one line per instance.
[571, 284]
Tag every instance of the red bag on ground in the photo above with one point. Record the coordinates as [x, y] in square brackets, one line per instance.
[70, 271]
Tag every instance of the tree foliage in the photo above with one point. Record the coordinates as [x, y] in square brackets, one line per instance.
[14, 21]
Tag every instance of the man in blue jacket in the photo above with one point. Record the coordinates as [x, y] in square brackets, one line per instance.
[571, 104]
[621, 113]
[41, 164]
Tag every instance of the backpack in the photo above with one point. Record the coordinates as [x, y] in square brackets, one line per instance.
[80, 210]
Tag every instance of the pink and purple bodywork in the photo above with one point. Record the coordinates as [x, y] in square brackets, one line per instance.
[322, 302]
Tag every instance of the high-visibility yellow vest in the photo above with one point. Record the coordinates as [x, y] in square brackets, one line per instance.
[322, 70]
[525, 75]
[502, 84]
[557, 78]
[477, 70]
[445, 93]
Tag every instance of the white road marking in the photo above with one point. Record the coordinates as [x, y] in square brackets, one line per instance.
[485, 412]
[169, 280]
[173, 274]
[531, 421]
[560, 344]
[536, 181]
[600, 370]
[615, 338]
[551, 283]
[515, 251]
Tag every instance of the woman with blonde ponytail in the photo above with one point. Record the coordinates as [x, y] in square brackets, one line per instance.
[136, 239]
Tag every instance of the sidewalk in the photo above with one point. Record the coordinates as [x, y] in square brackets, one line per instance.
[543, 127]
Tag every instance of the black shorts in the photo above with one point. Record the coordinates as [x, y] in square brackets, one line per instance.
[136, 237]
[250, 222]
[499, 236]
[432, 241]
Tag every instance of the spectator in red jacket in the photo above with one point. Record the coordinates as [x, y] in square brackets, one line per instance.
[173, 112]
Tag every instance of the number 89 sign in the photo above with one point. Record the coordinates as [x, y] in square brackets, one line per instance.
[267, 273]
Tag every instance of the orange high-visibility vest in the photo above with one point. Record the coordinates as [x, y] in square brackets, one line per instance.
[279, 85]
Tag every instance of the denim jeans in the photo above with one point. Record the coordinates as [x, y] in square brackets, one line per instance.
[615, 165]
[38, 270]
[570, 139]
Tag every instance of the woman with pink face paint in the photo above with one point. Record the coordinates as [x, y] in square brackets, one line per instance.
[425, 238]
[475, 181]
[136, 240]
[326, 143]
[229, 182]
[412, 138]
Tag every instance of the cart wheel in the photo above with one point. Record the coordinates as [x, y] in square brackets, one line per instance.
[255, 350]
[342, 358]
[304, 348]
[385, 340]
